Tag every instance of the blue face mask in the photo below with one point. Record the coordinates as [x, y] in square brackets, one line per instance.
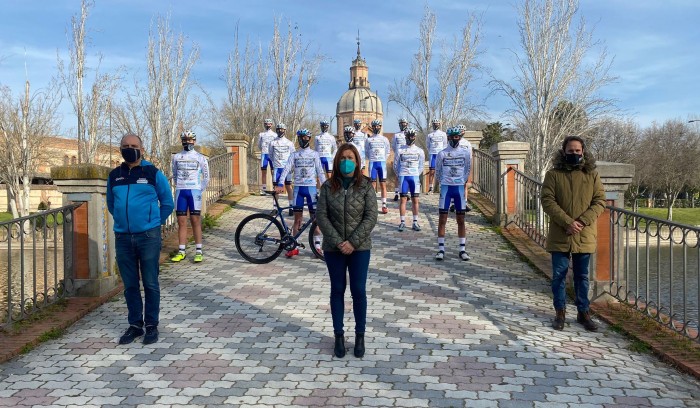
[347, 167]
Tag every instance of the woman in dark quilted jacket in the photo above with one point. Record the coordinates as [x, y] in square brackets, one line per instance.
[346, 215]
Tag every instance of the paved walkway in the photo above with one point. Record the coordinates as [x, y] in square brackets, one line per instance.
[450, 334]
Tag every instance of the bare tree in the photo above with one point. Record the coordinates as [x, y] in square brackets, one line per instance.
[551, 69]
[439, 90]
[672, 153]
[165, 98]
[24, 123]
[612, 138]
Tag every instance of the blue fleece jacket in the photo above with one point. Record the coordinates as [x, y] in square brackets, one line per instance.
[139, 199]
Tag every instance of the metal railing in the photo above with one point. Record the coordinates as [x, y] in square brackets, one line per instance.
[655, 267]
[220, 177]
[485, 174]
[528, 214]
[35, 258]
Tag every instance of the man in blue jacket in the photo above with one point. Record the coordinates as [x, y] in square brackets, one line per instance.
[140, 200]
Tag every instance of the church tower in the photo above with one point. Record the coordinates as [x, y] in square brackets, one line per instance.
[358, 102]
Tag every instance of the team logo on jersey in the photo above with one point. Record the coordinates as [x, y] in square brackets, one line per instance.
[454, 171]
[304, 173]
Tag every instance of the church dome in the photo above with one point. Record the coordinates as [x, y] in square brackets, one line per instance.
[359, 100]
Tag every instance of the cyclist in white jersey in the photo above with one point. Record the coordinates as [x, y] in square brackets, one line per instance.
[360, 138]
[408, 165]
[377, 149]
[326, 146]
[280, 150]
[436, 141]
[452, 168]
[464, 142]
[398, 143]
[306, 166]
[264, 139]
[351, 137]
[190, 171]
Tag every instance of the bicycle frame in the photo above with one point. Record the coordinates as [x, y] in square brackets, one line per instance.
[287, 230]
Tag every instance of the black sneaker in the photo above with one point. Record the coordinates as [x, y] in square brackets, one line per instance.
[291, 212]
[130, 335]
[151, 335]
[452, 208]
[467, 207]
[396, 197]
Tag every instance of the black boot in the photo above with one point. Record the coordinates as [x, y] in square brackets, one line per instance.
[559, 320]
[585, 319]
[359, 345]
[339, 348]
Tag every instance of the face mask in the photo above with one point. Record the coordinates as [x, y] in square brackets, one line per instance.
[347, 167]
[410, 140]
[188, 146]
[280, 135]
[304, 143]
[573, 159]
[131, 155]
[453, 142]
[349, 137]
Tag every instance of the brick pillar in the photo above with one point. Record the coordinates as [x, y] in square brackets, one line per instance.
[509, 155]
[616, 177]
[238, 144]
[93, 271]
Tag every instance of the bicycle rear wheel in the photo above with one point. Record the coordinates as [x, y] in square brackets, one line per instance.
[316, 241]
[259, 238]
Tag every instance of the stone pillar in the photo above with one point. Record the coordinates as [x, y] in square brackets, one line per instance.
[616, 177]
[238, 144]
[509, 155]
[92, 270]
[474, 137]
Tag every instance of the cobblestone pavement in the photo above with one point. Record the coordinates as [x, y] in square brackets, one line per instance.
[450, 334]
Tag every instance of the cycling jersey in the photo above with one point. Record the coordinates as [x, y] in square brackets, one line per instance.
[398, 142]
[280, 150]
[264, 139]
[306, 166]
[360, 139]
[465, 144]
[361, 149]
[453, 166]
[325, 145]
[190, 170]
[409, 161]
[436, 141]
[377, 148]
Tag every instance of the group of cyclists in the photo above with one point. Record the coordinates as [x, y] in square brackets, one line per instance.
[306, 168]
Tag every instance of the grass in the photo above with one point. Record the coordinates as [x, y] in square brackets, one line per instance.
[41, 314]
[687, 216]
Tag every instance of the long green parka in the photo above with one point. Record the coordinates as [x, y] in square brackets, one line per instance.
[347, 215]
[572, 193]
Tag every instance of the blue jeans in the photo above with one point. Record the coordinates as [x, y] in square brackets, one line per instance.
[138, 255]
[560, 266]
[356, 264]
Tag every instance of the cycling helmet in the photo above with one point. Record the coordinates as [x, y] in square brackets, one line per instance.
[281, 126]
[324, 123]
[410, 134]
[348, 133]
[304, 138]
[268, 121]
[452, 131]
[188, 134]
[402, 120]
[357, 121]
[376, 122]
[435, 121]
[461, 128]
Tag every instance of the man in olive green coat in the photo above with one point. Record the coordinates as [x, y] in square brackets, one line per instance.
[573, 197]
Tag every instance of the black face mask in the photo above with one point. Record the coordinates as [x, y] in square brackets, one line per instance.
[188, 146]
[304, 143]
[453, 142]
[349, 137]
[410, 140]
[130, 154]
[573, 159]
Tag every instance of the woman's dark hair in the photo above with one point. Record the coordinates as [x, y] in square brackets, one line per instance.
[573, 138]
[337, 177]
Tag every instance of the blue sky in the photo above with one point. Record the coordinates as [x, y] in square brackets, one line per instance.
[655, 44]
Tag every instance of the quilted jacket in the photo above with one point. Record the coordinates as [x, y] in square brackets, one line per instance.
[568, 194]
[347, 215]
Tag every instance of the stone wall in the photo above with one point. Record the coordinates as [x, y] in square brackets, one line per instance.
[39, 193]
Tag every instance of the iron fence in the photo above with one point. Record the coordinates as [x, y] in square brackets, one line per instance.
[485, 175]
[35, 258]
[655, 267]
[220, 177]
[528, 214]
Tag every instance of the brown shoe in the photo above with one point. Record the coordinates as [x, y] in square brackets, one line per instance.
[559, 320]
[585, 319]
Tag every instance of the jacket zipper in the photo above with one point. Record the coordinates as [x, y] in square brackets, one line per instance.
[345, 213]
[128, 190]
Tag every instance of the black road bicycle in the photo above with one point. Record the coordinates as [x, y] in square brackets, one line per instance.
[261, 238]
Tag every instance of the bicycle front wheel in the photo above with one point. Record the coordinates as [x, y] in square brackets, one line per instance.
[316, 241]
[259, 238]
